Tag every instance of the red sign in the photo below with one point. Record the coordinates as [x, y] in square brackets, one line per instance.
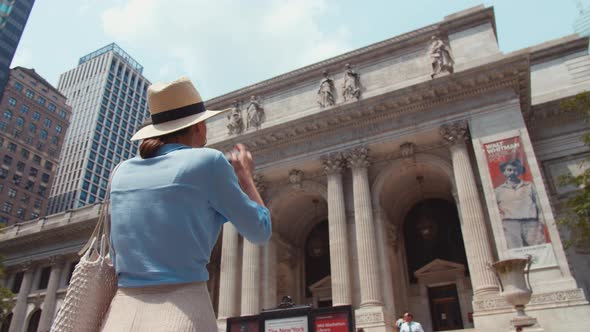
[333, 322]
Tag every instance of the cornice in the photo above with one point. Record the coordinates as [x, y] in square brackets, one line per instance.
[359, 56]
[507, 73]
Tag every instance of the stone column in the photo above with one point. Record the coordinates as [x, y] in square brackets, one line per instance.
[366, 241]
[250, 279]
[229, 273]
[475, 237]
[269, 277]
[50, 295]
[20, 309]
[338, 234]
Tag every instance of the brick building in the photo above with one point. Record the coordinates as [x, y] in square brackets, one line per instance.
[34, 121]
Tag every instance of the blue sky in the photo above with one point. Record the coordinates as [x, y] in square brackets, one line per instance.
[224, 45]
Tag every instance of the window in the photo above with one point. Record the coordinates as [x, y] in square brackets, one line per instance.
[33, 172]
[11, 147]
[44, 279]
[43, 134]
[3, 125]
[7, 160]
[18, 86]
[42, 190]
[25, 198]
[24, 109]
[51, 107]
[29, 93]
[54, 140]
[83, 196]
[85, 185]
[36, 116]
[62, 114]
[34, 215]
[16, 179]
[20, 166]
[41, 101]
[11, 101]
[47, 123]
[29, 185]
[3, 174]
[32, 128]
[45, 178]
[8, 115]
[58, 128]
[24, 153]
[48, 165]
[20, 212]
[37, 204]
[7, 207]
[11, 193]
[20, 121]
[37, 160]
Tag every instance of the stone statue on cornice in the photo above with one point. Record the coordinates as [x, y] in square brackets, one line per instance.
[440, 56]
[236, 123]
[351, 86]
[326, 91]
[254, 114]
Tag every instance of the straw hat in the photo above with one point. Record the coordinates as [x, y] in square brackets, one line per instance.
[173, 106]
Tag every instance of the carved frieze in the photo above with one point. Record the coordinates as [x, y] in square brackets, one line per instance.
[295, 178]
[407, 149]
[550, 298]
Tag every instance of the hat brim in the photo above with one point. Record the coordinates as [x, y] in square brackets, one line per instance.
[155, 130]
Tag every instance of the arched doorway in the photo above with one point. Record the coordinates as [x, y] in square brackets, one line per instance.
[318, 286]
[436, 261]
[6, 323]
[34, 321]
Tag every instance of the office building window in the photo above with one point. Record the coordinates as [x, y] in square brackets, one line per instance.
[11, 147]
[20, 166]
[41, 101]
[20, 121]
[47, 123]
[8, 115]
[6, 207]
[29, 94]
[36, 116]
[7, 160]
[11, 101]
[11, 192]
[24, 109]
[24, 153]
[18, 86]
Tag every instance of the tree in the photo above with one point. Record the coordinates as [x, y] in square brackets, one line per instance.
[578, 205]
[5, 297]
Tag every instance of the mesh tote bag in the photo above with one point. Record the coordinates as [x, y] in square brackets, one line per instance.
[94, 281]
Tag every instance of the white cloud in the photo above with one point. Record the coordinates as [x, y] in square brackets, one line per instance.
[214, 42]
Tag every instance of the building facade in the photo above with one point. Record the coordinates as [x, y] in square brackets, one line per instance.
[13, 18]
[395, 175]
[34, 120]
[107, 92]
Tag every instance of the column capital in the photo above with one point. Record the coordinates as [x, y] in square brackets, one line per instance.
[455, 132]
[333, 163]
[56, 260]
[25, 266]
[358, 157]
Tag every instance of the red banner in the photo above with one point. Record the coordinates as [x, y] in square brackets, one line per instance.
[336, 322]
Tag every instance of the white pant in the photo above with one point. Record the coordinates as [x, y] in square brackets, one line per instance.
[523, 232]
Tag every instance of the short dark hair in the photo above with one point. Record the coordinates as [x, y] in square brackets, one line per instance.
[517, 163]
[408, 314]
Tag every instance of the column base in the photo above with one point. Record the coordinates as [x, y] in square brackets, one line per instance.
[373, 319]
[221, 324]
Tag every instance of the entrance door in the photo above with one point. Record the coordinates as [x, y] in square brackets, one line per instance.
[445, 308]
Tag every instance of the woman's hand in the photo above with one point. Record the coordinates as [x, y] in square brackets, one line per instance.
[243, 164]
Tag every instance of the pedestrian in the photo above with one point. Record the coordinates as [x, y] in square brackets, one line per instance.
[168, 206]
[410, 325]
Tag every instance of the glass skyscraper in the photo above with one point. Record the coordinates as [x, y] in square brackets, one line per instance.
[107, 92]
[13, 18]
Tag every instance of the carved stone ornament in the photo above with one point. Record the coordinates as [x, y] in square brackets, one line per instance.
[358, 157]
[407, 149]
[254, 114]
[56, 260]
[326, 91]
[236, 123]
[25, 266]
[351, 88]
[441, 58]
[455, 132]
[259, 183]
[295, 178]
[333, 163]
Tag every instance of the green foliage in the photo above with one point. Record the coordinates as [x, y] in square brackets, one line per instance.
[578, 206]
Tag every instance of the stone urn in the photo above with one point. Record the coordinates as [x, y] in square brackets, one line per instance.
[513, 276]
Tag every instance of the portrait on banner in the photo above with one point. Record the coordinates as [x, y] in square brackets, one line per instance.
[516, 196]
